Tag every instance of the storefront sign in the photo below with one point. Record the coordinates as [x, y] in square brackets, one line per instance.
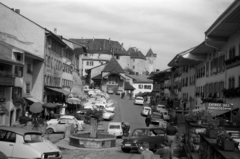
[219, 106]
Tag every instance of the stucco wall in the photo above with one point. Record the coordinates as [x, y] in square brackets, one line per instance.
[140, 66]
[20, 32]
[137, 89]
[95, 63]
[235, 71]
[124, 61]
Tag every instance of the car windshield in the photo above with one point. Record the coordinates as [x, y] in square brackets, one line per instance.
[139, 98]
[114, 127]
[139, 132]
[32, 138]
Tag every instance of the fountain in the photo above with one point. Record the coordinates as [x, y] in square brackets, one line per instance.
[93, 138]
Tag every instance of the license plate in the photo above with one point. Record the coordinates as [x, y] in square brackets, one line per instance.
[49, 156]
[127, 144]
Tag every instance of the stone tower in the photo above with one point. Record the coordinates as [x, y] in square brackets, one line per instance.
[151, 61]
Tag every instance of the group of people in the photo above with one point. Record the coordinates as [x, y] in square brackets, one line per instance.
[166, 150]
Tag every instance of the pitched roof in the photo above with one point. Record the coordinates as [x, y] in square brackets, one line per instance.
[135, 53]
[150, 53]
[98, 77]
[102, 46]
[8, 60]
[128, 86]
[113, 67]
[140, 79]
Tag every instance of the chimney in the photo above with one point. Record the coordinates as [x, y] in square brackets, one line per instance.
[55, 31]
[109, 40]
[17, 11]
[93, 39]
[122, 46]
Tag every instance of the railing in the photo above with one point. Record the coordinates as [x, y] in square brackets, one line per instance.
[7, 79]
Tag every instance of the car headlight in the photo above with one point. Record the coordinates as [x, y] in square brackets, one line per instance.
[42, 156]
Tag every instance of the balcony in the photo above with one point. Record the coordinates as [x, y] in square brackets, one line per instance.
[233, 62]
[7, 80]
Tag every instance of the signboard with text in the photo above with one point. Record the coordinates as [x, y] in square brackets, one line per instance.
[218, 106]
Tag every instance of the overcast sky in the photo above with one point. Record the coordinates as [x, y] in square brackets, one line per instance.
[168, 27]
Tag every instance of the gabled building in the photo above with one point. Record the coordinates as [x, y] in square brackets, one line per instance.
[100, 51]
[109, 76]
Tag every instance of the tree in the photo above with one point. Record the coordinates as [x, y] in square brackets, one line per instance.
[94, 116]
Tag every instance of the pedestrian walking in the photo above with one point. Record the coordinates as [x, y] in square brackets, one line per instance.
[148, 119]
[172, 133]
[164, 151]
[146, 153]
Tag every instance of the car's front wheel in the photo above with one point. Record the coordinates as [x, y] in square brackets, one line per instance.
[50, 131]
[126, 150]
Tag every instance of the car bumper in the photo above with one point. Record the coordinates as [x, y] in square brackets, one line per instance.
[140, 103]
[130, 146]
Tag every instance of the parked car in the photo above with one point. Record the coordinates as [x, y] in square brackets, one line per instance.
[146, 110]
[157, 118]
[154, 136]
[139, 100]
[115, 128]
[107, 115]
[107, 108]
[110, 91]
[119, 92]
[165, 114]
[22, 143]
[59, 125]
[160, 107]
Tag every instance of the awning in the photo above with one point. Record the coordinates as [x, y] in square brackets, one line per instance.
[59, 90]
[214, 113]
[32, 99]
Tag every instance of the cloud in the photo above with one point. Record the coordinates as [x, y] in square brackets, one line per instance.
[167, 26]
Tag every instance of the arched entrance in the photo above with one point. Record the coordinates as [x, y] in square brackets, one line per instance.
[11, 117]
[18, 114]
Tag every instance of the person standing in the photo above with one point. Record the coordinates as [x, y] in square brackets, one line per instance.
[165, 151]
[148, 119]
[146, 153]
[171, 132]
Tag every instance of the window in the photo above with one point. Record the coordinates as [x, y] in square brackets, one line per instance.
[140, 86]
[133, 67]
[18, 71]
[133, 60]
[207, 68]
[117, 57]
[87, 63]
[239, 81]
[29, 68]
[16, 93]
[27, 87]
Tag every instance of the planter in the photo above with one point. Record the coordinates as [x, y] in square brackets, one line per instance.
[212, 134]
[227, 145]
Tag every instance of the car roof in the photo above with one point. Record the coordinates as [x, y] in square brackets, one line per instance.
[146, 107]
[114, 123]
[67, 116]
[17, 130]
[150, 128]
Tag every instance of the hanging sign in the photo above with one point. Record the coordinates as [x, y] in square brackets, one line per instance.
[219, 106]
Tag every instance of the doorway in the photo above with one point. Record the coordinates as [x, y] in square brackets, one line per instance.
[11, 117]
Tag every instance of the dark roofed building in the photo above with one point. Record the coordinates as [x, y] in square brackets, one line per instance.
[150, 53]
[135, 53]
[103, 46]
[113, 67]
